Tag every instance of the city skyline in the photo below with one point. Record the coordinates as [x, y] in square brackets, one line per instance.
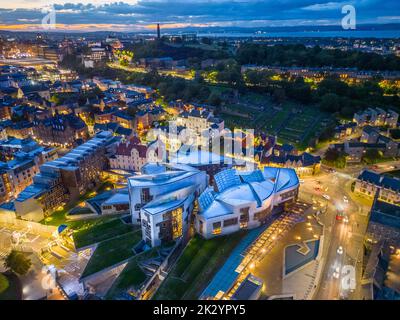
[143, 15]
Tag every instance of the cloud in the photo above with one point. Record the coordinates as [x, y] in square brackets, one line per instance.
[137, 14]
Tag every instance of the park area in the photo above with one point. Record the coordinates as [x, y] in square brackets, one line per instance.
[200, 260]
[292, 123]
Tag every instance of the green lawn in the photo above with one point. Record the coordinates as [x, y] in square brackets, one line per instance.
[112, 251]
[200, 260]
[132, 275]
[4, 283]
[89, 233]
[10, 287]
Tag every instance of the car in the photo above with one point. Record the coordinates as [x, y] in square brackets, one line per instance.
[340, 215]
[346, 219]
[336, 273]
[345, 199]
[340, 250]
[325, 196]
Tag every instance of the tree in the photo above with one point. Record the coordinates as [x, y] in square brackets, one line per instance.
[214, 99]
[372, 156]
[17, 262]
[335, 158]
[330, 102]
[279, 95]
[4, 283]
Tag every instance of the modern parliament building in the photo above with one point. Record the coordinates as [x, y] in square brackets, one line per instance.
[244, 200]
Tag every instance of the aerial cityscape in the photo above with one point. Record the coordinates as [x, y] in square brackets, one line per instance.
[199, 150]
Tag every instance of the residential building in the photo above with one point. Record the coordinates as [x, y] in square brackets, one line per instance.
[304, 164]
[145, 118]
[199, 121]
[41, 89]
[114, 128]
[369, 135]
[131, 155]
[244, 200]
[355, 150]
[65, 178]
[5, 108]
[379, 279]
[20, 130]
[380, 186]
[60, 130]
[345, 130]
[19, 169]
[124, 119]
[376, 117]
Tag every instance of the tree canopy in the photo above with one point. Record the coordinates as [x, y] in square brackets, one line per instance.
[17, 262]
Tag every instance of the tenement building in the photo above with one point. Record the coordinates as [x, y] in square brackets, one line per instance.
[60, 130]
[383, 187]
[65, 178]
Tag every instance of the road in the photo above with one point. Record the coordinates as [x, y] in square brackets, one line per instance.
[337, 186]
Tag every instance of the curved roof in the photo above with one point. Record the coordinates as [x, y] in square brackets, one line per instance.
[245, 188]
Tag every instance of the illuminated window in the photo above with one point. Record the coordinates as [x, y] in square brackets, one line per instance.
[176, 223]
[216, 227]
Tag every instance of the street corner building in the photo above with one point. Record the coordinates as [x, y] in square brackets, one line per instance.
[244, 200]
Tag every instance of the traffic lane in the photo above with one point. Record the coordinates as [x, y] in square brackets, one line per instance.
[334, 264]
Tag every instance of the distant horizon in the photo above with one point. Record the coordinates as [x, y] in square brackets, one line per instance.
[367, 27]
[143, 15]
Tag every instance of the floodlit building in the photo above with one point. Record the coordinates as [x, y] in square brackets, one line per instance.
[345, 130]
[60, 130]
[383, 187]
[24, 159]
[376, 117]
[131, 155]
[65, 178]
[162, 200]
[244, 200]
[201, 122]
